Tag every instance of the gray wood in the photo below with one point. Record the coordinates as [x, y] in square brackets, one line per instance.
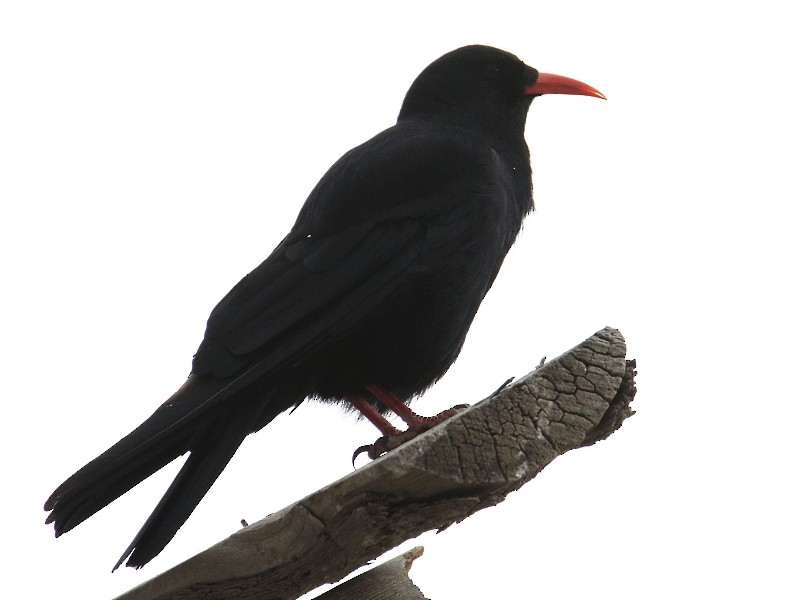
[387, 581]
[468, 463]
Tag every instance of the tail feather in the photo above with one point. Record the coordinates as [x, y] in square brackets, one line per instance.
[208, 418]
[81, 497]
[164, 436]
[211, 450]
[152, 445]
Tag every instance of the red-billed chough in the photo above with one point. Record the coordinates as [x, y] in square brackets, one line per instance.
[366, 301]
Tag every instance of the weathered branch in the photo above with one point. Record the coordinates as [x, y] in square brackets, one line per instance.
[472, 461]
[387, 580]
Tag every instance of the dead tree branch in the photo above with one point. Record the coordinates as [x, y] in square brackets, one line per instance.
[471, 462]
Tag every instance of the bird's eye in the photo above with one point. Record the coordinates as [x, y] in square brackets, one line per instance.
[492, 71]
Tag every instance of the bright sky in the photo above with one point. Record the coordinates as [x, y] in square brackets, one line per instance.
[153, 153]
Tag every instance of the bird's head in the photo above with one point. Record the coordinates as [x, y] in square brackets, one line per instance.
[485, 85]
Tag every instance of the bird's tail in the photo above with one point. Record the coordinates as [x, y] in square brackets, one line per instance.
[212, 447]
[184, 423]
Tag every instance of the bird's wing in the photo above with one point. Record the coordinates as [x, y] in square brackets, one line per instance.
[353, 244]
[301, 291]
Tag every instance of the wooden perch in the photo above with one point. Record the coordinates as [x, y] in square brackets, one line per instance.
[387, 580]
[470, 462]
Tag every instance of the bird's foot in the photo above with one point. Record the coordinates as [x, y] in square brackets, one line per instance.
[385, 443]
[418, 425]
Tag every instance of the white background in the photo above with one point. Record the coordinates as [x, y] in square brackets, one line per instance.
[154, 152]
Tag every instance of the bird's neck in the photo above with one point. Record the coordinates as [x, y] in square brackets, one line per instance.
[506, 136]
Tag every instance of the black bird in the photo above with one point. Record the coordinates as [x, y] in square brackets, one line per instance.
[367, 300]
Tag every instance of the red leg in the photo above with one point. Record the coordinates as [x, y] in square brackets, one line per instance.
[371, 413]
[412, 419]
[392, 437]
[393, 403]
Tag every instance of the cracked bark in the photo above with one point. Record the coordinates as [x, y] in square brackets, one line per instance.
[468, 463]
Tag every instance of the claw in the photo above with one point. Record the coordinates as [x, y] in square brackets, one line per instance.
[358, 452]
[389, 442]
[372, 450]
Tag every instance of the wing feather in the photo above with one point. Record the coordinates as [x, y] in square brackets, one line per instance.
[353, 244]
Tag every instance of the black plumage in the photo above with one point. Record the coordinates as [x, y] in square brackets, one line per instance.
[376, 283]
